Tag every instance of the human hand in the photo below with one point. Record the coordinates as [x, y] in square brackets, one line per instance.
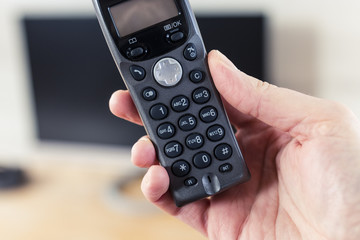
[303, 154]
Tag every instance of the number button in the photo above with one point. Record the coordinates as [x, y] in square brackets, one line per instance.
[194, 141]
[187, 122]
[216, 133]
[223, 151]
[201, 95]
[159, 112]
[149, 94]
[180, 103]
[202, 160]
[181, 168]
[166, 131]
[208, 114]
[173, 149]
[196, 76]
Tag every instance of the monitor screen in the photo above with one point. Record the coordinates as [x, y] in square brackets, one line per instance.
[73, 74]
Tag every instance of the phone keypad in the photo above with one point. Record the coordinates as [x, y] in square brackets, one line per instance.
[166, 73]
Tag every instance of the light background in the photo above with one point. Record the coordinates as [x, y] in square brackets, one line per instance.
[314, 47]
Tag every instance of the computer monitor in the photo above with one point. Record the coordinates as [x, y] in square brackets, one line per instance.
[73, 74]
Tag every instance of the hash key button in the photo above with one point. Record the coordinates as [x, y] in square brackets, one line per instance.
[223, 151]
[180, 168]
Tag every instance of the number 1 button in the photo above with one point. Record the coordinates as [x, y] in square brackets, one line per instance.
[159, 112]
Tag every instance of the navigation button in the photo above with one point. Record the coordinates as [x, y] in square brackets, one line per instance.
[168, 72]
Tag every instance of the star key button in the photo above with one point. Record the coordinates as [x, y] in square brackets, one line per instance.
[181, 168]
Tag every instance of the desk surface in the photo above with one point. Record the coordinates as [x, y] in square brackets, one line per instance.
[67, 201]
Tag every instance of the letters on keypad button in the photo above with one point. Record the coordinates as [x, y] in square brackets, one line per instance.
[208, 114]
[180, 103]
[201, 95]
[194, 141]
[187, 122]
[166, 131]
[216, 133]
[173, 149]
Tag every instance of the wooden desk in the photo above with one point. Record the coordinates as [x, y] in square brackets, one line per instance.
[68, 201]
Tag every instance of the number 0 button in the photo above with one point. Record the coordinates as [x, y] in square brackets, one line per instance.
[159, 112]
[202, 160]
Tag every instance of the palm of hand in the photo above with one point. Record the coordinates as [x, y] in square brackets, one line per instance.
[290, 196]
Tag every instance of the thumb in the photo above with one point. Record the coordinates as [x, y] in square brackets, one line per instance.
[277, 107]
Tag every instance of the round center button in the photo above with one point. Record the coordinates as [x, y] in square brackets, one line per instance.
[168, 72]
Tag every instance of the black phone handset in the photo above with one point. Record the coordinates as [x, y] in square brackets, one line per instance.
[159, 51]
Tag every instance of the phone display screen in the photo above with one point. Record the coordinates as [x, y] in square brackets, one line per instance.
[133, 15]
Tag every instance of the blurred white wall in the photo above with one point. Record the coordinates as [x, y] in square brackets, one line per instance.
[314, 47]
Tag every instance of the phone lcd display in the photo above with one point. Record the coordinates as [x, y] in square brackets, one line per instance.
[134, 15]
